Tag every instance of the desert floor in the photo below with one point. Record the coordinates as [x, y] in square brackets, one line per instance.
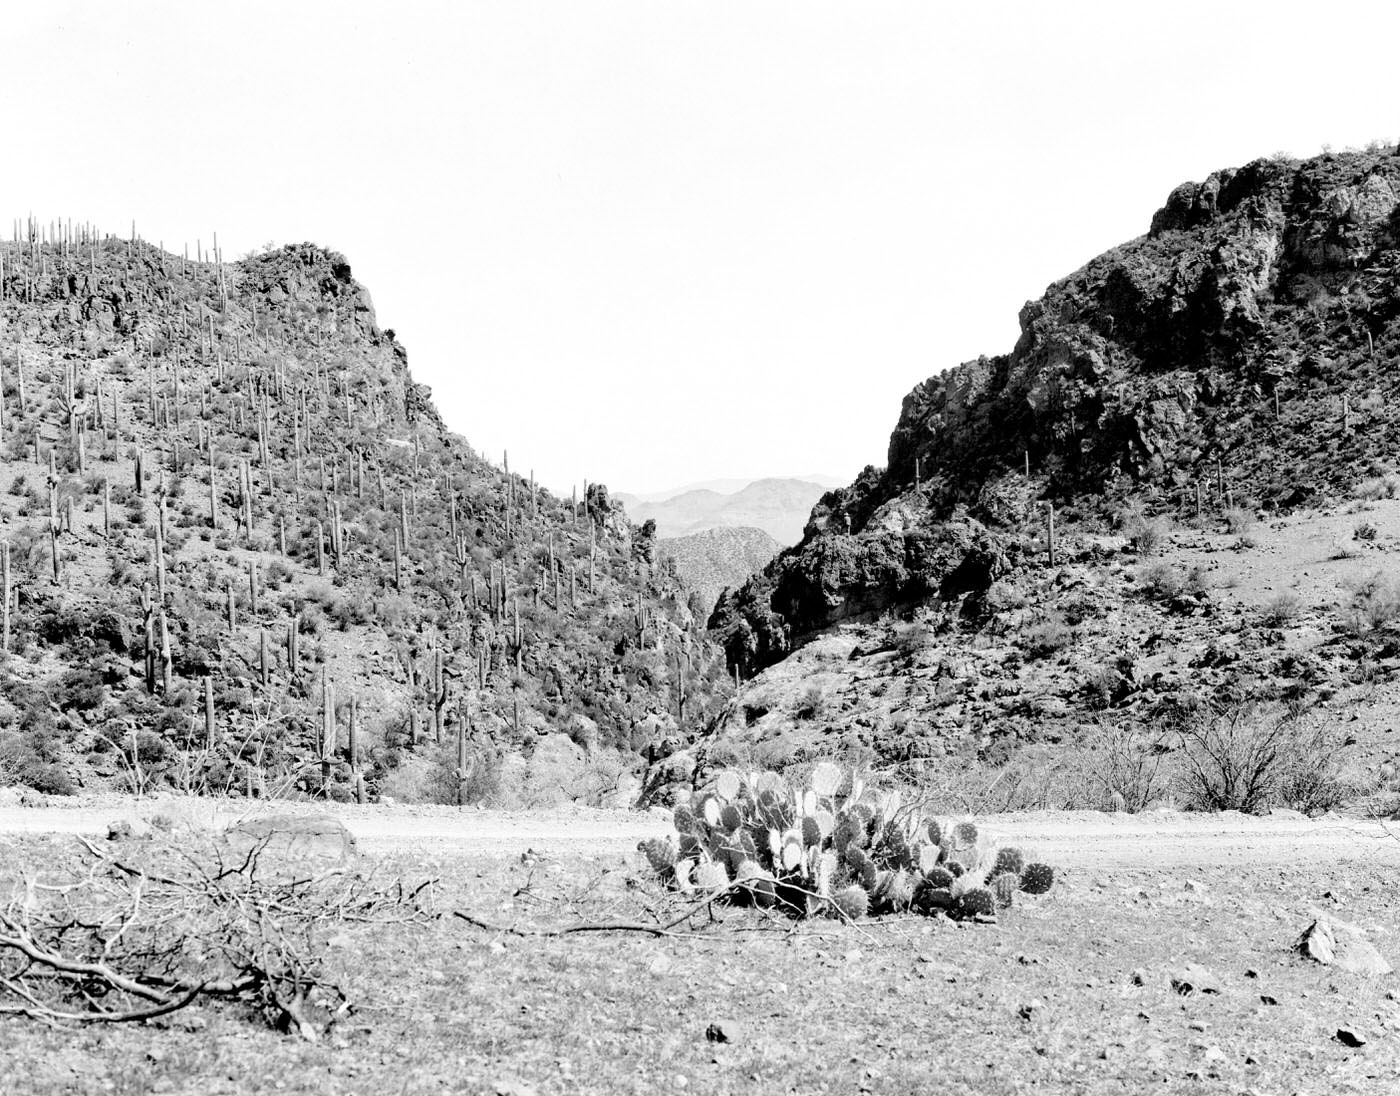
[1068, 993]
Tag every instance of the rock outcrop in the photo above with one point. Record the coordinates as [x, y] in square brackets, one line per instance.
[1245, 344]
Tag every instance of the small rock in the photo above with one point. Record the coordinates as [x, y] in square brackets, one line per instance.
[724, 1031]
[1031, 1009]
[1214, 1055]
[1351, 1037]
[1194, 978]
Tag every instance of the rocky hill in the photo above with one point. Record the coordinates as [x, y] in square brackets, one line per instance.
[244, 555]
[779, 507]
[718, 559]
[1192, 408]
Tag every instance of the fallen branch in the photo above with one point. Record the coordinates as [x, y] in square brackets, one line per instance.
[604, 926]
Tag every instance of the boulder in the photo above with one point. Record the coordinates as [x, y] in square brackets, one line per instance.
[1337, 944]
[129, 828]
[291, 846]
[21, 795]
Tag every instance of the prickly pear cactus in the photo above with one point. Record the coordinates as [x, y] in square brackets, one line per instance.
[832, 846]
[1009, 859]
[977, 904]
[850, 903]
[711, 875]
[660, 854]
[1004, 888]
[1037, 878]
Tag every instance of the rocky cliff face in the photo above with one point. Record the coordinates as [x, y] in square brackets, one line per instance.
[1245, 347]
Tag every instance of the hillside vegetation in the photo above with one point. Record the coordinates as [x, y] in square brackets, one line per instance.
[1173, 490]
[243, 554]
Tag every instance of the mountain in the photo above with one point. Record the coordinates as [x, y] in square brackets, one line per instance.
[780, 507]
[1207, 411]
[245, 556]
[722, 486]
[718, 559]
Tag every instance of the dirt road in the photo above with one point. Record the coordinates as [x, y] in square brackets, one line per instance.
[1083, 839]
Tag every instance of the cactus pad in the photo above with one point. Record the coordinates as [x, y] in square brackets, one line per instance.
[1004, 888]
[964, 835]
[977, 903]
[826, 779]
[730, 817]
[683, 818]
[930, 898]
[1037, 878]
[711, 876]
[939, 877]
[850, 903]
[1009, 859]
[727, 785]
[660, 854]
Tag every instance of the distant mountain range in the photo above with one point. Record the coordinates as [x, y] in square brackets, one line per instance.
[779, 507]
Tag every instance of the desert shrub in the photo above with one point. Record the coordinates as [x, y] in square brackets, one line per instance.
[1374, 603]
[1249, 758]
[1047, 636]
[44, 776]
[1238, 521]
[1103, 686]
[1160, 581]
[810, 702]
[1380, 487]
[1365, 531]
[80, 688]
[1145, 535]
[1281, 609]
[1197, 583]
[1125, 768]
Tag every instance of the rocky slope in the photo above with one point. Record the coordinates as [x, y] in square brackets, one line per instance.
[718, 559]
[245, 554]
[779, 507]
[1238, 362]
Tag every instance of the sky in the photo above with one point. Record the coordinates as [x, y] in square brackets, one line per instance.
[651, 243]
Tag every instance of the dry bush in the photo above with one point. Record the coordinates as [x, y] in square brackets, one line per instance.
[1047, 635]
[128, 932]
[1145, 535]
[1161, 581]
[1250, 758]
[1238, 521]
[1281, 609]
[1125, 768]
[1381, 487]
[1035, 779]
[1374, 603]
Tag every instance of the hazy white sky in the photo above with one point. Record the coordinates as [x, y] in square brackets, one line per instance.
[652, 242]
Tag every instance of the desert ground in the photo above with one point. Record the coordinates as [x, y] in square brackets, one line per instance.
[1088, 989]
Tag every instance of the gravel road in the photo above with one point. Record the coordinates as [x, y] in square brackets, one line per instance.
[1082, 838]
